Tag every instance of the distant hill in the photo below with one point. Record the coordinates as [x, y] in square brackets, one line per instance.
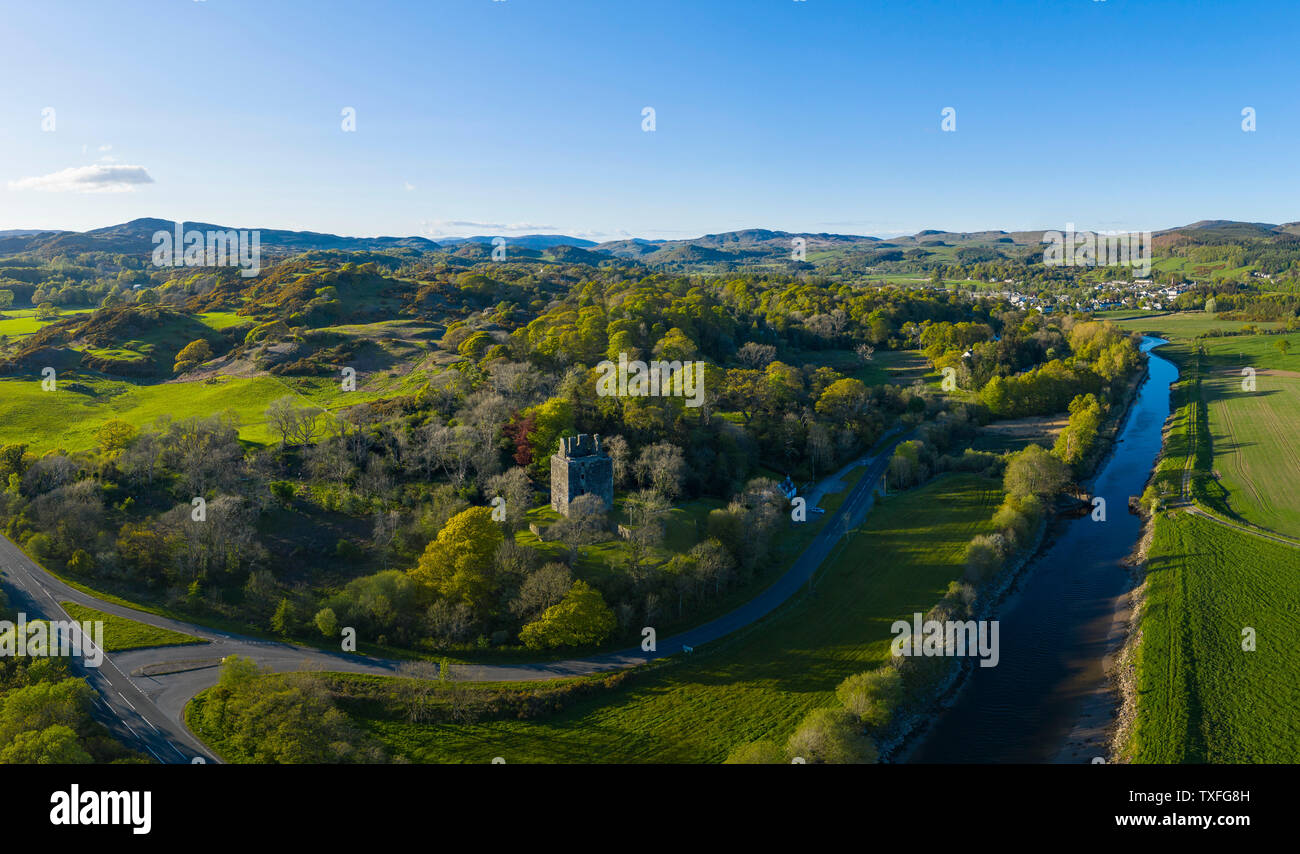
[136, 236]
[482, 251]
[745, 246]
[527, 241]
[754, 247]
[576, 255]
[1221, 231]
[23, 232]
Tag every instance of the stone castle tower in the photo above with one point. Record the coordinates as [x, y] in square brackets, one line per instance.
[580, 468]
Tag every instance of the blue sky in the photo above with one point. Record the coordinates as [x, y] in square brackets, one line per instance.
[482, 117]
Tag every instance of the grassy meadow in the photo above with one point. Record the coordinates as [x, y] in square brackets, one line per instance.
[1252, 436]
[80, 404]
[1201, 697]
[20, 322]
[1180, 325]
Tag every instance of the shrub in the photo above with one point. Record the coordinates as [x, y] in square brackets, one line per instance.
[756, 753]
[282, 619]
[983, 558]
[1036, 472]
[41, 546]
[283, 490]
[832, 737]
[327, 622]
[872, 695]
[192, 355]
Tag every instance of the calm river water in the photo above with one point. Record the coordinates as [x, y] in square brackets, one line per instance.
[1055, 624]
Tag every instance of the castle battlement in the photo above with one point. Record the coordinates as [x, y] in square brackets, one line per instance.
[582, 445]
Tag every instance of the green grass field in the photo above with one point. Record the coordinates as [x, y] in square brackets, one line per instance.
[82, 403]
[899, 367]
[1249, 468]
[16, 323]
[1252, 435]
[121, 633]
[1201, 697]
[1185, 324]
[1115, 314]
[220, 320]
[759, 682]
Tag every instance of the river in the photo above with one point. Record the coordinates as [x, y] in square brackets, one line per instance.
[1058, 621]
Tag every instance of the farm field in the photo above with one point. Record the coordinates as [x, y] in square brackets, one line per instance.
[900, 367]
[1252, 351]
[1252, 436]
[1201, 697]
[1250, 455]
[1185, 324]
[759, 683]
[1117, 314]
[1206, 581]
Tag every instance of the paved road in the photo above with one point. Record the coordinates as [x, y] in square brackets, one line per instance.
[148, 711]
[131, 716]
[146, 708]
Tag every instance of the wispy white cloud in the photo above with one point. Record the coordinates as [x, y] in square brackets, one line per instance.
[469, 228]
[100, 178]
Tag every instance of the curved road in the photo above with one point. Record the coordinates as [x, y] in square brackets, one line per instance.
[146, 708]
[148, 711]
